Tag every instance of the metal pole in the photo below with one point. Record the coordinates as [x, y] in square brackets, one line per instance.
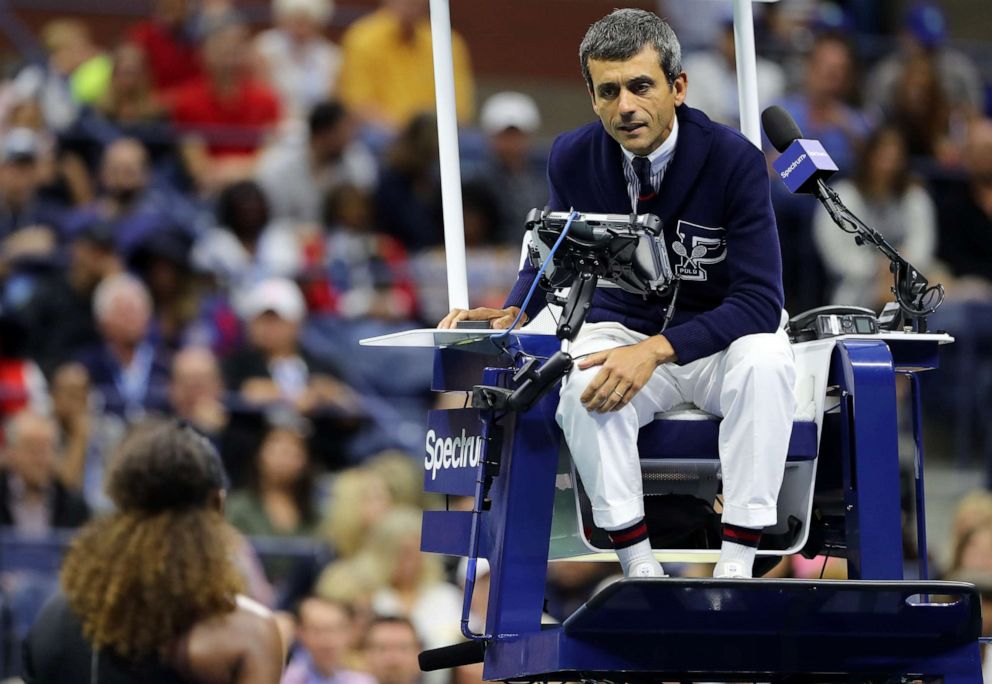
[747, 72]
[447, 138]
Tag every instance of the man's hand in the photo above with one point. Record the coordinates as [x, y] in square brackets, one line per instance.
[501, 318]
[624, 372]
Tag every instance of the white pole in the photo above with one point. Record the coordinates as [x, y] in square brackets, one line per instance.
[747, 71]
[447, 138]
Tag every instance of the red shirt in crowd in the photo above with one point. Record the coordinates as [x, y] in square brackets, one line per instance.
[230, 126]
[172, 60]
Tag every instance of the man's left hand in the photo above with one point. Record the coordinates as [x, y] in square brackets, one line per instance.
[625, 370]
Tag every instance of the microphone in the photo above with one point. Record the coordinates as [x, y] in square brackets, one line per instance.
[456, 655]
[780, 127]
[804, 164]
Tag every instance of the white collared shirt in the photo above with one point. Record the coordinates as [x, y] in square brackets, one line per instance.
[660, 159]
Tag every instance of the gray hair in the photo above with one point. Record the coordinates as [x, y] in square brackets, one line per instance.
[115, 285]
[623, 33]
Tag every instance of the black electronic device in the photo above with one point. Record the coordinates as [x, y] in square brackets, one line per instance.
[577, 251]
[831, 321]
[625, 249]
[473, 325]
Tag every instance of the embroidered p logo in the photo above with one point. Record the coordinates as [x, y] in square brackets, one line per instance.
[698, 246]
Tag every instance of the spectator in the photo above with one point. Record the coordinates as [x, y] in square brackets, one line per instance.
[168, 39]
[130, 100]
[924, 37]
[22, 385]
[359, 499]
[514, 174]
[129, 368]
[325, 634]
[367, 273]
[280, 497]
[296, 177]
[300, 64]
[225, 113]
[77, 73]
[964, 211]
[27, 220]
[58, 317]
[86, 436]
[391, 649]
[32, 500]
[161, 260]
[821, 110]
[408, 200]
[133, 109]
[921, 112]
[884, 195]
[410, 583]
[394, 44]
[715, 71]
[196, 391]
[273, 368]
[247, 245]
[127, 201]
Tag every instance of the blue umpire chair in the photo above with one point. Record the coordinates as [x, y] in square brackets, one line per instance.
[840, 497]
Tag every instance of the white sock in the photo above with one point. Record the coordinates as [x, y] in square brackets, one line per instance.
[634, 551]
[736, 560]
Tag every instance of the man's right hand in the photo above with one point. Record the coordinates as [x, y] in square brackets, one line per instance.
[500, 318]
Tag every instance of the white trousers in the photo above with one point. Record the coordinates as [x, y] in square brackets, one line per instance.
[750, 385]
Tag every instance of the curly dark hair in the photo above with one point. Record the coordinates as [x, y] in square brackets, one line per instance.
[141, 577]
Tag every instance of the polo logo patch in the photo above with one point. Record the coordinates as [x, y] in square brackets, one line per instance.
[696, 247]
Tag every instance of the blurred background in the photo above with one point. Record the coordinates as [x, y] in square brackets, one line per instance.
[205, 204]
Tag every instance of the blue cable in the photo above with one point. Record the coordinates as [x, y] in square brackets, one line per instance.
[533, 286]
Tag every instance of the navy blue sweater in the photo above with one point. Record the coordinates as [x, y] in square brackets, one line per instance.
[714, 201]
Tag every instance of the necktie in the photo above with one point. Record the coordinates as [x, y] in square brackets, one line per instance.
[642, 167]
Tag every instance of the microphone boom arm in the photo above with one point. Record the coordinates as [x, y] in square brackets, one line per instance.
[917, 299]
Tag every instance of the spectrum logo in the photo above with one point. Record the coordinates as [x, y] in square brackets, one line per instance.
[792, 167]
[451, 452]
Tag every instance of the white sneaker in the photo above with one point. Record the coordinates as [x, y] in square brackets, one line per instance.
[651, 568]
[730, 570]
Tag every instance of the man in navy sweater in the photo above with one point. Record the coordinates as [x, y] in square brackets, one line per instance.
[723, 349]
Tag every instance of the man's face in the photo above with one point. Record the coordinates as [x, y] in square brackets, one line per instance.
[19, 179]
[125, 321]
[829, 70]
[391, 653]
[195, 378]
[33, 455]
[273, 334]
[124, 171]
[634, 100]
[325, 631]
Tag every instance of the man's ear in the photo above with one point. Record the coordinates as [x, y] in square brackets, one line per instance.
[679, 87]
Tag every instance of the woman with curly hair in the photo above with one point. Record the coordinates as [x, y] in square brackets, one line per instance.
[150, 593]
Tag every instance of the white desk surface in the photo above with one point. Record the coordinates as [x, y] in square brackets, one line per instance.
[436, 337]
[429, 337]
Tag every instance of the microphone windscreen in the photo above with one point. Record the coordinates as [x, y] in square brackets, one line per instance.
[780, 127]
[456, 655]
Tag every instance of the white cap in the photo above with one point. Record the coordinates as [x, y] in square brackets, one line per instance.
[281, 296]
[319, 11]
[510, 110]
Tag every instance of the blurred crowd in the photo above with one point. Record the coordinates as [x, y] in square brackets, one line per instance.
[202, 219]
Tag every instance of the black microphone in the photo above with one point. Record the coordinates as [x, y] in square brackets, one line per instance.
[780, 127]
[804, 164]
[456, 655]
